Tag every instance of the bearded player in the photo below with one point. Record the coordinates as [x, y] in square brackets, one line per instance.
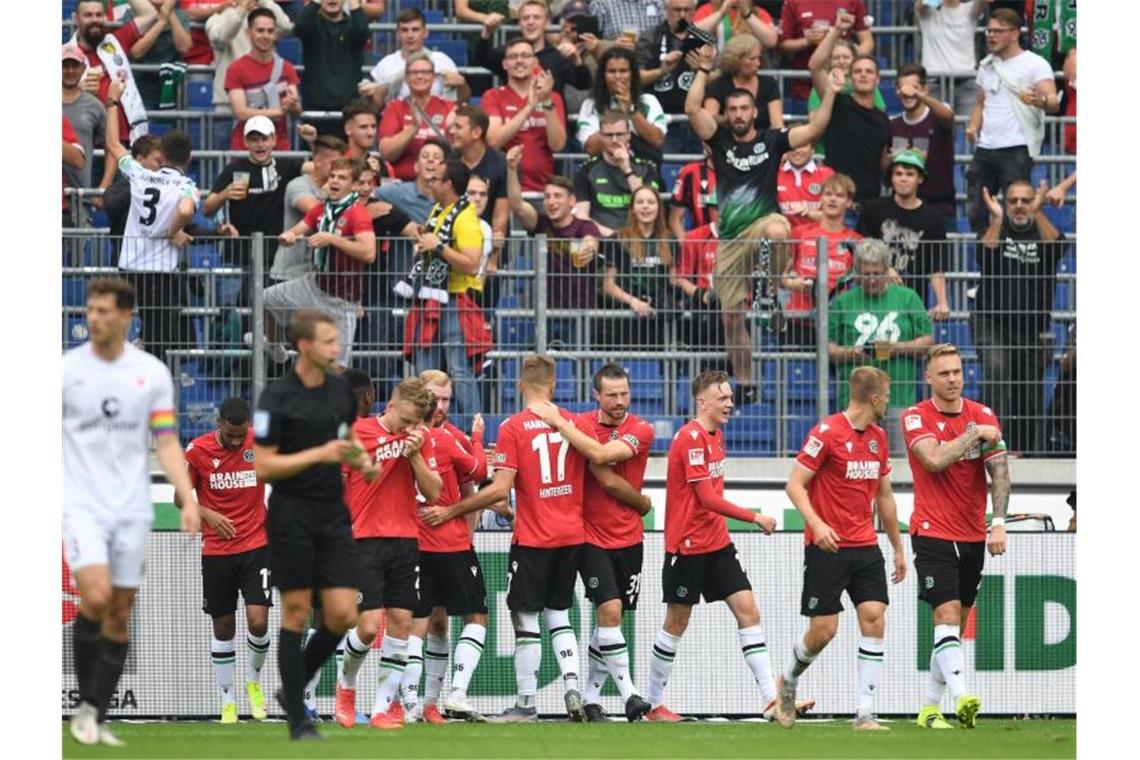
[840, 475]
[952, 442]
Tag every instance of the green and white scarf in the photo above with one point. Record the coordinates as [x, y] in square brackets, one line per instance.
[431, 272]
[332, 213]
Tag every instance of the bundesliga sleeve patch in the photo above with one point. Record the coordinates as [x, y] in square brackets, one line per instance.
[696, 457]
[912, 422]
[260, 423]
[500, 458]
[813, 446]
[632, 440]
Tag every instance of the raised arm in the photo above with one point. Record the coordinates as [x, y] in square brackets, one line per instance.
[113, 145]
[610, 452]
[766, 33]
[703, 123]
[179, 32]
[525, 212]
[820, 62]
[820, 117]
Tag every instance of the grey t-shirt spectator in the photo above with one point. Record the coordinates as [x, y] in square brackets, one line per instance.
[89, 119]
[293, 261]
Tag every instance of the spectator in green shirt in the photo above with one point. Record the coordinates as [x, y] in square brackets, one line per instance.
[882, 324]
[332, 34]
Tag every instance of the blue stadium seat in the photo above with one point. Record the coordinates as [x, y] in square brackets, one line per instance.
[99, 252]
[972, 380]
[74, 291]
[198, 400]
[664, 428]
[289, 48]
[99, 218]
[491, 430]
[890, 96]
[578, 407]
[566, 381]
[1067, 263]
[684, 395]
[753, 431]
[508, 376]
[517, 333]
[69, 8]
[801, 379]
[203, 256]
[1064, 219]
[433, 16]
[956, 332]
[456, 50]
[647, 386]
[669, 172]
[200, 94]
[1061, 296]
[796, 431]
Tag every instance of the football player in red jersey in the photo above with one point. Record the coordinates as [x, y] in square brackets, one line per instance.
[617, 444]
[547, 475]
[841, 474]
[235, 554]
[952, 442]
[385, 528]
[699, 556]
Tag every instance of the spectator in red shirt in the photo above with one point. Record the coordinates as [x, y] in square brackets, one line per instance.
[261, 83]
[342, 244]
[525, 111]
[73, 156]
[804, 24]
[201, 52]
[409, 122]
[703, 328]
[799, 187]
[695, 192]
[360, 128]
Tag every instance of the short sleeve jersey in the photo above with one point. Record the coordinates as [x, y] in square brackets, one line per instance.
[293, 418]
[226, 482]
[386, 507]
[951, 504]
[607, 190]
[154, 201]
[695, 191]
[339, 274]
[398, 115]
[746, 174]
[252, 78]
[549, 475]
[695, 455]
[848, 465]
[609, 523]
[840, 256]
[537, 165]
[454, 464]
[800, 190]
[110, 409]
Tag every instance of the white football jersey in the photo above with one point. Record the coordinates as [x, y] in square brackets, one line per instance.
[154, 199]
[109, 409]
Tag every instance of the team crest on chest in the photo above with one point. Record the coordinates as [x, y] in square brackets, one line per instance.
[247, 455]
[815, 188]
[873, 446]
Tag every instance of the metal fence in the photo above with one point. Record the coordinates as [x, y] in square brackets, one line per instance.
[657, 308]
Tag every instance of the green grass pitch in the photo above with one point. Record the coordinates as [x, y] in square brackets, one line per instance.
[991, 739]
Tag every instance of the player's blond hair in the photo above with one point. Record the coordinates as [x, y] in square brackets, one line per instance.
[435, 377]
[414, 390]
[537, 371]
[939, 350]
[865, 382]
[707, 379]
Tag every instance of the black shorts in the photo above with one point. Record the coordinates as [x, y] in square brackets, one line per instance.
[389, 573]
[224, 575]
[539, 579]
[858, 570]
[310, 544]
[685, 578]
[948, 570]
[611, 574]
[453, 580]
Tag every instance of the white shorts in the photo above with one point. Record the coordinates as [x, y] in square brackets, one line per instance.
[303, 292]
[121, 545]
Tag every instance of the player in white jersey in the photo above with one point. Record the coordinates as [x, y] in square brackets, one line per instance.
[114, 397]
[162, 203]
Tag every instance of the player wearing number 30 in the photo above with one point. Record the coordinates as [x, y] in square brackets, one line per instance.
[235, 549]
[547, 475]
[840, 475]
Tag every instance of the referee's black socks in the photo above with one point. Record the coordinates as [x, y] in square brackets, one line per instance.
[321, 646]
[291, 664]
[85, 642]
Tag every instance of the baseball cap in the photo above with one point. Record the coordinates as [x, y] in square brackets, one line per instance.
[262, 125]
[576, 8]
[71, 52]
[910, 157]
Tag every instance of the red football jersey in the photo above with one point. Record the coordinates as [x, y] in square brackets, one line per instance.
[698, 255]
[848, 465]
[396, 118]
[225, 482]
[549, 475]
[840, 259]
[950, 504]
[386, 507]
[537, 165]
[338, 274]
[800, 190]
[695, 455]
[609, 523]
[452, 462]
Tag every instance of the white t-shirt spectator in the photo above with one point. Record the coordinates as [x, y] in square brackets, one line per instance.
[1000, 125]
[948, 38]
[391, 69]
[589, 118]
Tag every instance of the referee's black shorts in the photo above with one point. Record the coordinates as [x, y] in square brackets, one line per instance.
[685, 578]
[858, 570]
[612, 574]
[310, 544]
[453, 580]
[224, 575]
[948, 570]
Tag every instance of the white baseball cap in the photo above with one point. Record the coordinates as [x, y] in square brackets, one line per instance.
[262, 125]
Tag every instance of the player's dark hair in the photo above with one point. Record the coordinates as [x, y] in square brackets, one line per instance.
[122, 290]
[600, 92]
[357, 107]
[517, 40]
[303, 325]
[912, 70]
[457, 173]
[939, 350]
[739, 92]
[865, 382]
[177, 147]
[1021, 182]
[865, 57]
[609, 371]
[708, 378]
[257, 13]
[145, 144]
[358, 379]
[477, 116]
[411, 15]
[234, 410]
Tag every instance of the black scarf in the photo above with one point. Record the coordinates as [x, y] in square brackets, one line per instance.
[431, 272]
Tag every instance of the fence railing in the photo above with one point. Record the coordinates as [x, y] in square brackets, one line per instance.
[664, 310]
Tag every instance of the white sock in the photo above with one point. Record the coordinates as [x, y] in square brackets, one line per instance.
[565, 645]
[935, 684]
[355, 651]
[223, 657]
[870, 663]
[611, 643]
[801, 659]
[410, 682]
[393, 660]
[435, 667]
[661, 665]
[257, 648]
[948, 652]
[755, 651]
[528, 657]
[598, 673]
[467, 654]
[310, 696]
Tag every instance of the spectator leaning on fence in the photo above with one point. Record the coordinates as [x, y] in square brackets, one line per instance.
[410, 121]
[948, 30]
[302, 193]
[740, 64]
[564, 60]
[164, 44]
[694, 192]
[333, 34]
[799, 188]
[926, 125]
[1013, 309]
[116, 200]
[226, 31]
[261, 82]
[618, 88]
[527, 112]
[87, 115]
[604, 184]
[805, 23]
[1015, 91]
[388, 74]
[881, 324]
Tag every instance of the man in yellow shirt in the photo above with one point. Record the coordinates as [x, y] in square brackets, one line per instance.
[446, 320]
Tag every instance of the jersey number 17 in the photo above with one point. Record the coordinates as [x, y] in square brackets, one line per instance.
[542, 444]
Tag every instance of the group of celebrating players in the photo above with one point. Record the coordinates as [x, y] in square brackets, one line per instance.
[371, 516]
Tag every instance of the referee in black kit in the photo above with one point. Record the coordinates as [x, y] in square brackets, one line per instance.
[302, 433]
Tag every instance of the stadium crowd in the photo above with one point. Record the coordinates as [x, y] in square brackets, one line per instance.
[611, 79]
